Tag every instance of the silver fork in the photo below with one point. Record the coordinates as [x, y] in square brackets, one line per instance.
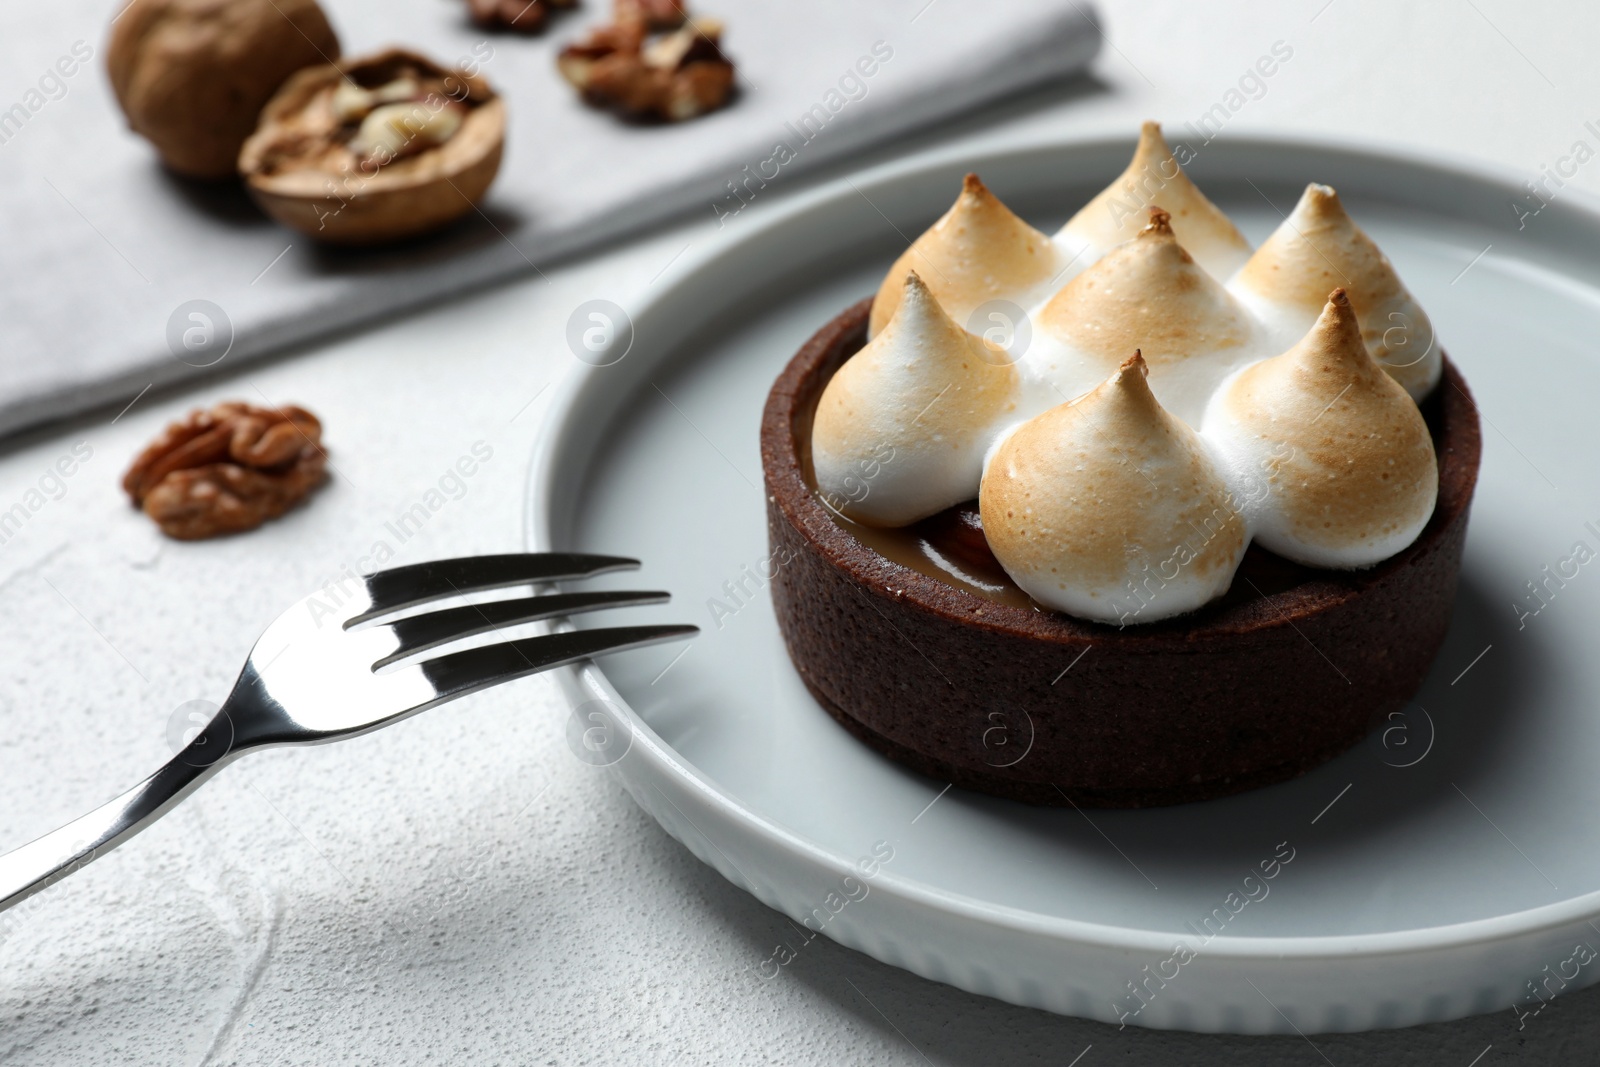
[312, 678]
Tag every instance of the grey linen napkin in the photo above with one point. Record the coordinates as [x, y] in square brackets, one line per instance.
[104, 251]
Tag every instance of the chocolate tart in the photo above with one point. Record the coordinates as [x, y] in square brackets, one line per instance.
[1289, 669]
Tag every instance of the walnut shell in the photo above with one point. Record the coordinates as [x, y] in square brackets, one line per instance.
[300, 167]
[192, 75]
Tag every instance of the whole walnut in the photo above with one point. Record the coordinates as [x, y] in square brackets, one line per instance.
[193, 75]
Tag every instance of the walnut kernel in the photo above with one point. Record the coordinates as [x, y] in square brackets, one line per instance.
[674, 77]
[228, 469]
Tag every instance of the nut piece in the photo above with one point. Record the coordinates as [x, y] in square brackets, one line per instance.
[655, 14]
[375, 149]
[523, 16]
[395, 131]
[675, 77]
[228, 469]
[192, 75]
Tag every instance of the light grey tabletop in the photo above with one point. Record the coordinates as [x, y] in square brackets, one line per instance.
[461, 888]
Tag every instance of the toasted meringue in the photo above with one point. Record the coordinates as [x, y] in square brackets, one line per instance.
[977, 252]
[1319, 247]
[1332, 459]
[1135, 499]
[1111, 509]
[1154, 178]
[902, 428]
[1149, 294]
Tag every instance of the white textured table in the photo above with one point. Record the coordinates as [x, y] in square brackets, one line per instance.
[461, 888]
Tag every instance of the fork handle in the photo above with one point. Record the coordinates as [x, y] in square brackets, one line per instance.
[43, 862]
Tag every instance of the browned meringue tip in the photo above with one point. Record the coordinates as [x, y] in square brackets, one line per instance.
[1160, 222]
[1150, 130]
[1129, 388]
[1321, 199]
[1134, 362]
[1340, 329]
[1339, 308]
[972, 185]
[914, 293]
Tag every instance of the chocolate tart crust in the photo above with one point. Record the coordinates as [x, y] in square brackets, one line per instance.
[1243, 693]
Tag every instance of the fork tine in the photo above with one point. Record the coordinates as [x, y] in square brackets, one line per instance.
[418, 583]
[460, 673]
[421, 632]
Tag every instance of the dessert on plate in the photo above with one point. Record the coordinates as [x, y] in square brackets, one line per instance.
[1131, 514]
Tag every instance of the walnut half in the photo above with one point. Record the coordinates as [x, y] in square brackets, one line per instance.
[678, 76]
[228, 469]
[375, 149]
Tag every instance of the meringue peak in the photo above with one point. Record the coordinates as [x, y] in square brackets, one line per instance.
[1150, 294]
[1334, 460]
[921, 318]
[1333, 349]
[1130, 387]
[902, 427]
[1125, 404]
[1319, 246]
[1336, 336]
[1155, 176]
[978, 251]
[1110, 508]
[1316, 247]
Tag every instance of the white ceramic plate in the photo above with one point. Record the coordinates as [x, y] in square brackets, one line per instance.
[1436, 871]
